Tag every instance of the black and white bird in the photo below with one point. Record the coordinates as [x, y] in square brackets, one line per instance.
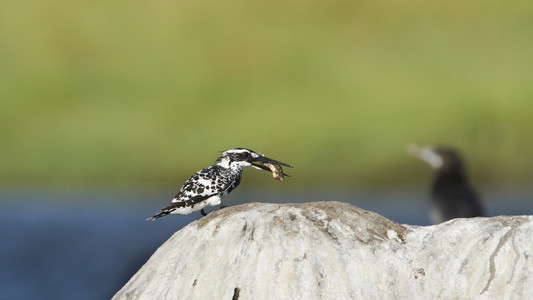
[452, 195]
[208, 186]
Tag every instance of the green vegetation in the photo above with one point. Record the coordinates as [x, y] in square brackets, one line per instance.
[146, 92]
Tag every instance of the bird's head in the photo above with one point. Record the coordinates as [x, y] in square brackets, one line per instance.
[241, 157]
[438, 157]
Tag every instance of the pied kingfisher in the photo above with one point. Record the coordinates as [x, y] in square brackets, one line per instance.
[209, 185]
[452, 195]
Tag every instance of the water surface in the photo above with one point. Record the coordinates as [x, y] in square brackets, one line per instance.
[87, 244]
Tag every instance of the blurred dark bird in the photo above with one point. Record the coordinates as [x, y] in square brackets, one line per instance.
[452, 195]
[209, 185]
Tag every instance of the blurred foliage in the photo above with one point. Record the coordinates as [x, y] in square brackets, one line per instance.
[146, 92]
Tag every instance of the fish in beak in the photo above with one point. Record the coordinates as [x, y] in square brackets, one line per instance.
[264, 163]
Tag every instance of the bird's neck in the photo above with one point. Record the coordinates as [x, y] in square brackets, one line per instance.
[223, 162]
[233, 167]
[451, 175]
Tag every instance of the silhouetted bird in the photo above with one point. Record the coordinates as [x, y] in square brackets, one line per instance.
[452, 195]
[209, 185]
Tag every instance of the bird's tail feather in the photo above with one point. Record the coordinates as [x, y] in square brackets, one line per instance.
[159, 215]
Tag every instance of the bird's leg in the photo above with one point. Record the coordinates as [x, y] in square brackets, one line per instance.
[203, 212]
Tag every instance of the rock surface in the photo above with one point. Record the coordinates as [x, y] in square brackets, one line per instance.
[333, 250]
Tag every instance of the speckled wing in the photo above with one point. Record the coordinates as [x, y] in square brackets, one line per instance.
[202, 185]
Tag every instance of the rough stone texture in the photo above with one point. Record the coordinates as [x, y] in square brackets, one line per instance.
[333, 250]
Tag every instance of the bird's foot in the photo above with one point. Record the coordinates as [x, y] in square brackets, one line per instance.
[221, 206]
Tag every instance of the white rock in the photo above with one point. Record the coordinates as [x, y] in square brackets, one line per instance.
[332, 250]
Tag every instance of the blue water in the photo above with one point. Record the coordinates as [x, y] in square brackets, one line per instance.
[86, 244]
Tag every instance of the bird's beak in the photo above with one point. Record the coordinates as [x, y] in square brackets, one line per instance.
[426, 154]
[265, 160]
[414, 150]
[259, 162]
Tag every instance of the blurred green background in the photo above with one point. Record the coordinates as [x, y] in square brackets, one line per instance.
[144, 93]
